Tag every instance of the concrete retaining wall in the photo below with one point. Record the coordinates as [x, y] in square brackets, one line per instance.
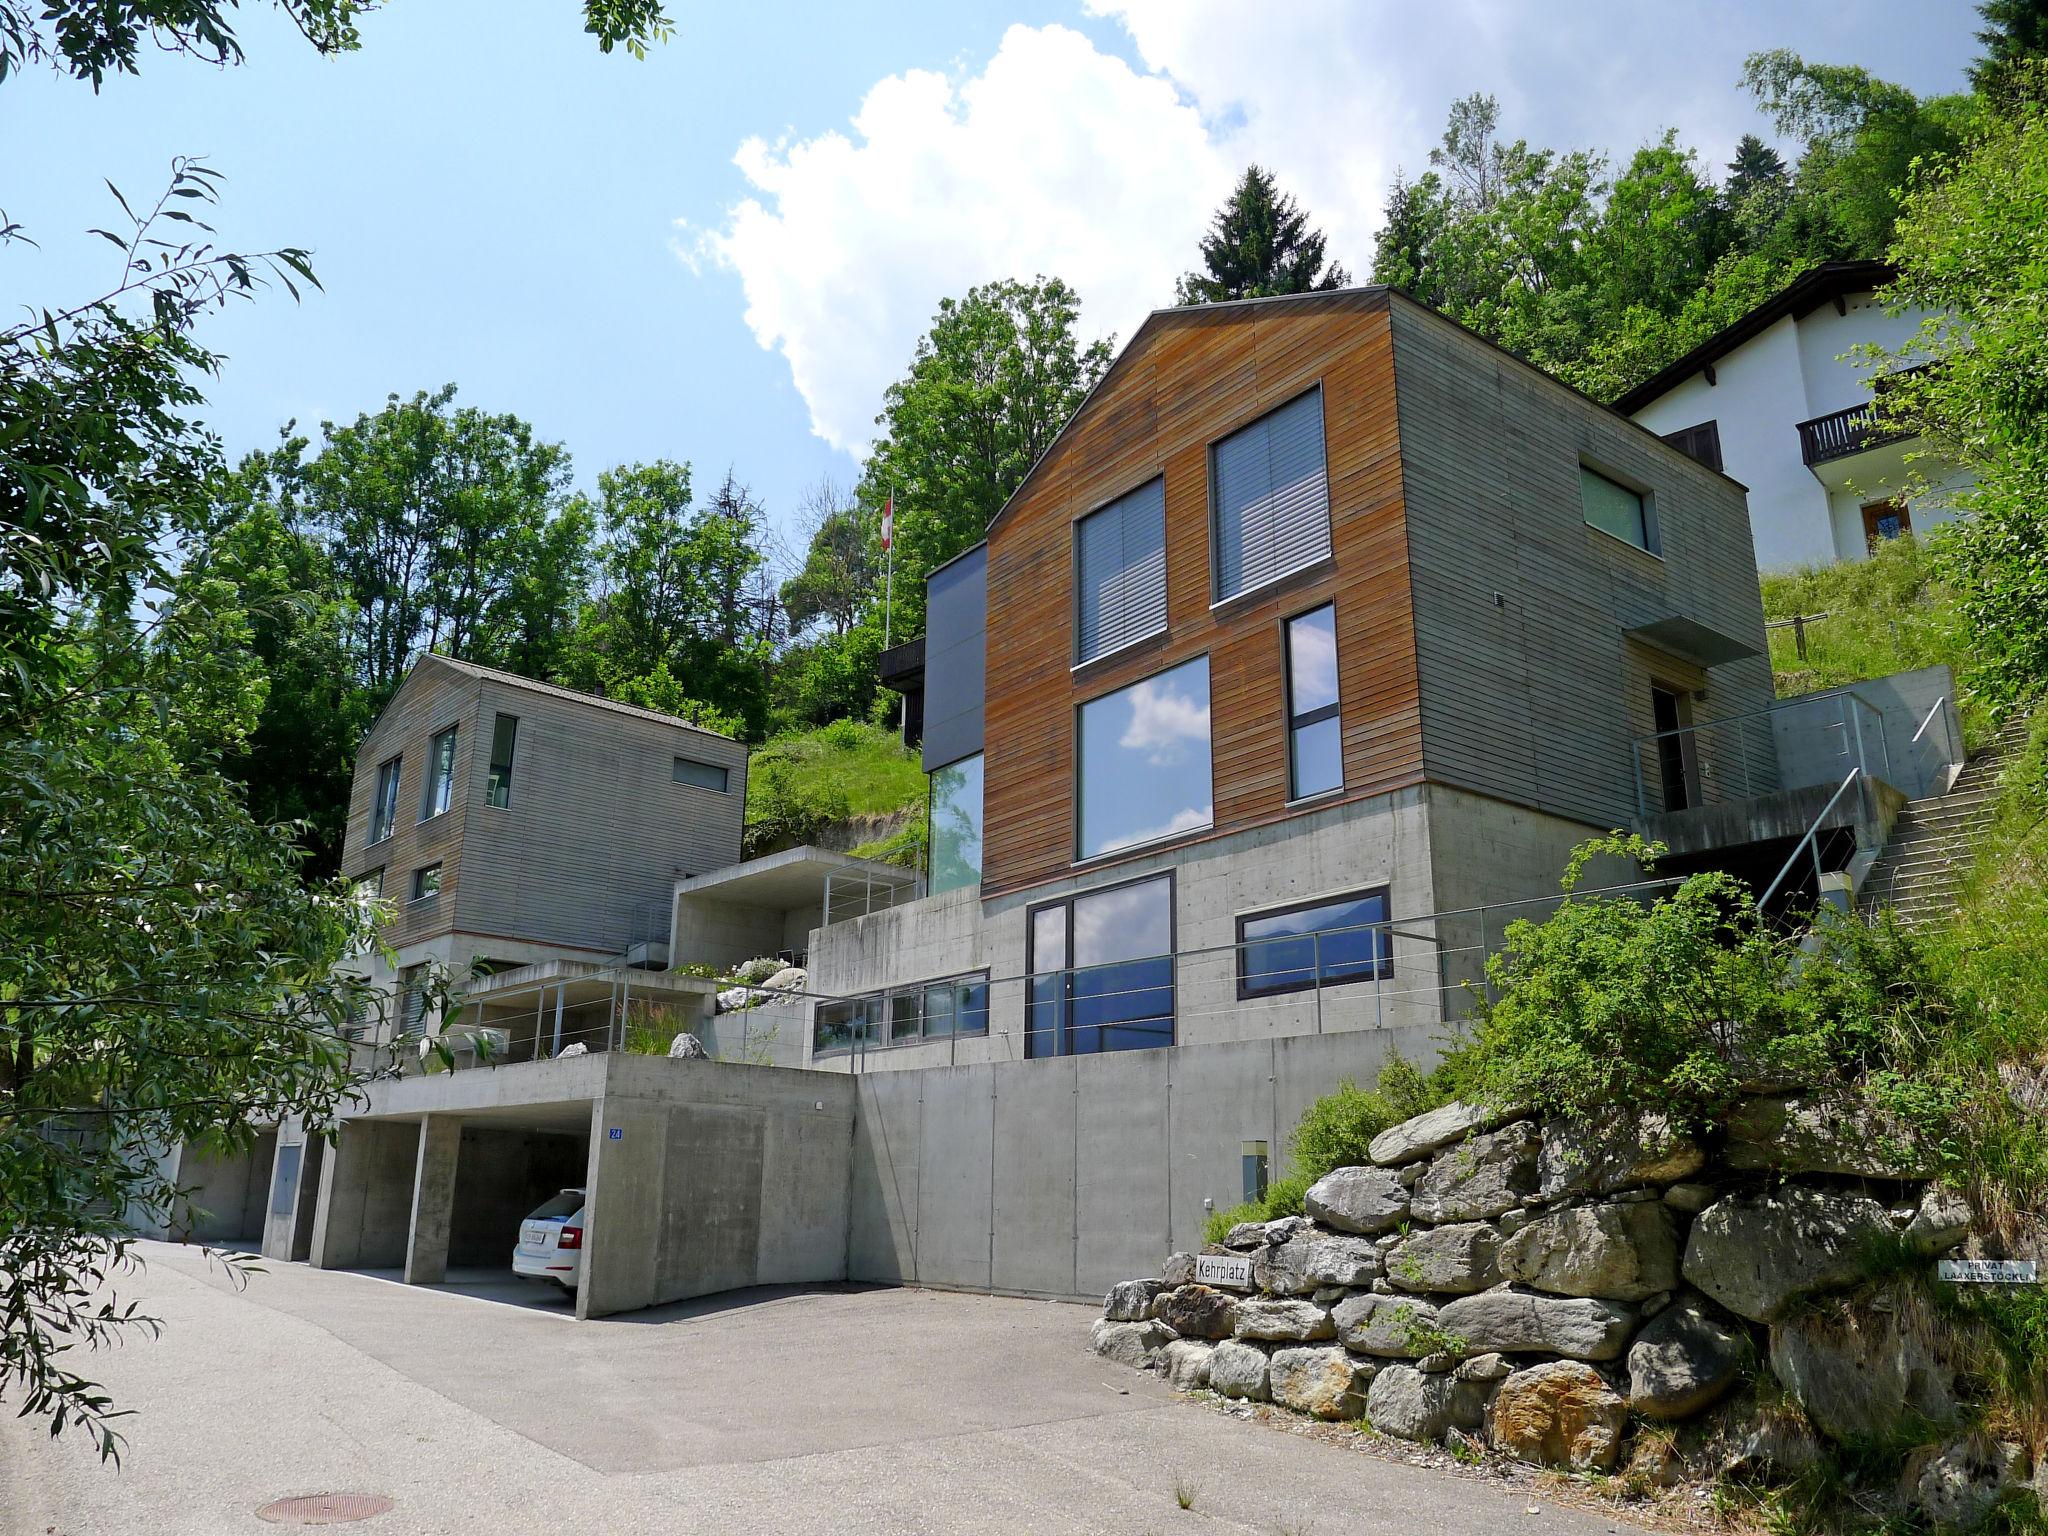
[1060, 1177]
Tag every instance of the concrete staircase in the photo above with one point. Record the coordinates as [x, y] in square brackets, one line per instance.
[1924, 860]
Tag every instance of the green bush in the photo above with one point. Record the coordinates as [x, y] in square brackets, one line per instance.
[1218, 1226]
[1336, 1130]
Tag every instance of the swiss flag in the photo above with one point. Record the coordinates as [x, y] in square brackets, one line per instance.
[889, 521]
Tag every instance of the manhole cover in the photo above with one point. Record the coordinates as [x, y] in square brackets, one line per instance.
[325, 1508]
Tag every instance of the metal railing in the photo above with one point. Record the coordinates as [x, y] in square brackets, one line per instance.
[1716, 762]
[1809, 842]
[1951, 733]
[1405, 971]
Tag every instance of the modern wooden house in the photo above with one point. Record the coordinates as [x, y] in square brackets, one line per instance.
[507, 823]
[1320, 612]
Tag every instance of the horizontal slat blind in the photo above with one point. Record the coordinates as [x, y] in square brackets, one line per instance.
[1272, 497]
[1121, 554]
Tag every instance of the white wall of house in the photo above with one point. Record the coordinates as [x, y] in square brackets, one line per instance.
[1792, 372]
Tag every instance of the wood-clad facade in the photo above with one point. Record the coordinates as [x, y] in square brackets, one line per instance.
[1487, 638]
[1188, 380]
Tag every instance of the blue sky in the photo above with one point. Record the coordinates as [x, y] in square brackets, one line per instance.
[723, 253]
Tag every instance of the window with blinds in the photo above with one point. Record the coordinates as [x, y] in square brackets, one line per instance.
[1120, 572]
[1271, 491]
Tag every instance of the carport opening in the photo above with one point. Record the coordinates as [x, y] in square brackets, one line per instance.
[501, 1174]
[226, 1192]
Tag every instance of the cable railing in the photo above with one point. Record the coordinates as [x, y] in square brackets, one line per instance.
[1421, 970]
[1737, 757]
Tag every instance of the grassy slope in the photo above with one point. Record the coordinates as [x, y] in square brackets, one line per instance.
[802, 782]
[1886, 614]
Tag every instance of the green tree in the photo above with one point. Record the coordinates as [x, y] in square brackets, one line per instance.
[296, 763]
[669, 627]
[1968, 250]
[839, 570]
[2014, 32]
[443, 524]
[165, 974]
[88, 38]
[1259, 243]
[989, 387]
[1755, 168]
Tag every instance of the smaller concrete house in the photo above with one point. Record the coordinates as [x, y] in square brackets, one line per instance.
[508, 824]
[1780, 401]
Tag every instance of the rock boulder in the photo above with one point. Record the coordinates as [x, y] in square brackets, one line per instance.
[1367, 1200]
[1319, 1380]
[1957, 1485]
[1685, 1358]
[1185, 1364]
[1479, 1179]
[1756, 1254]
[1453, 1260]
[687, 1047]
[1516, 1321]
[1134, 1344]
[1239, 1369]
[1597, 1157]
[1283, 1320]
[1623, 1252]
[1382, 1325]
[1819, 1133]
[1130, 1301]
[1559, 1414]
[1419, 1137]
[1405, 1403]
[1863, 1369]
[1197, 1312]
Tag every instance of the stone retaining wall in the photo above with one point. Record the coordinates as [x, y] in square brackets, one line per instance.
[1547, 1289]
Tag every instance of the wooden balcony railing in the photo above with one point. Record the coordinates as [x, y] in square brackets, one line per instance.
[1841, 433]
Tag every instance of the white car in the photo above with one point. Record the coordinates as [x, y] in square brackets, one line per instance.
[551, 1242]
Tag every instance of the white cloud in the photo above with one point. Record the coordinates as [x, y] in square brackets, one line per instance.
[1166, 719]
[1055, 158]
[1059, 157]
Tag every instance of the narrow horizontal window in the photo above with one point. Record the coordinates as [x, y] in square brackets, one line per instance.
[1345, 938]
[1270, 486]
[688, 770]
[1616, 509]
[426, 881]
[1120, 573]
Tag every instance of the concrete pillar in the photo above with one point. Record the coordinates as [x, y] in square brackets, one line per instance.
[433, 1200]
[628, 1145]
[344, 1181]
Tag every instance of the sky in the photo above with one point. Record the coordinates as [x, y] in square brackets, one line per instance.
[724, 253]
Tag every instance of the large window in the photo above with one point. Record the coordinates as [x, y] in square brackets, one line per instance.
[928, 1010]
[504, 737]
[1617, 509]
[1120, 573]
[1102, 971]
[1337, 939]
[438, 793]
[384, 809]
[1315, 735]
[1271, 491]
[955, 826]
[688, 770]
[1144, 761]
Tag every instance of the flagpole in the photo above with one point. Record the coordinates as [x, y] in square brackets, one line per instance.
[889, 576]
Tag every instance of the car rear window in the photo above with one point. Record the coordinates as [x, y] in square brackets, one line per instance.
[567, 1203]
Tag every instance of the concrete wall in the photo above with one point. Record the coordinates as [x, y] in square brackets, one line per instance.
[1814, 749]
[1355, 846]
[1059, 1177]
[226, 1192]
[770, 1035]
[725, 1176]
[366, 1193]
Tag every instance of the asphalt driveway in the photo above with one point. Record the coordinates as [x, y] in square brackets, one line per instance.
[842, 1410]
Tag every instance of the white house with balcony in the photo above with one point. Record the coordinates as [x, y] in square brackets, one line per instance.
[1780, 401]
